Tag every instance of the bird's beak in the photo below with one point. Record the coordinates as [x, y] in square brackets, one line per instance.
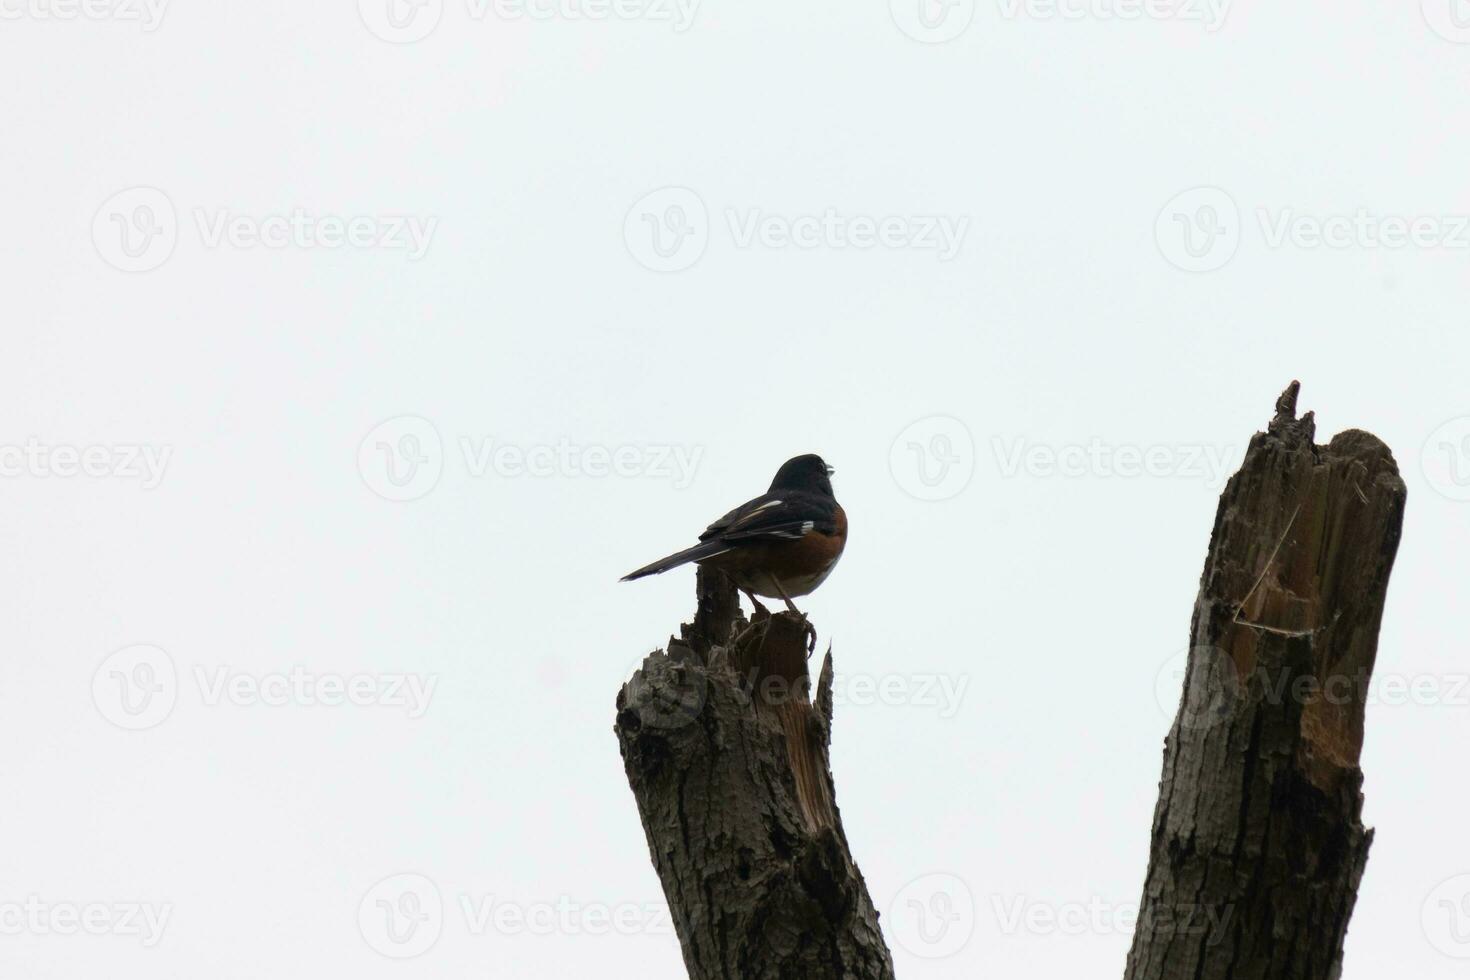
[831, 469]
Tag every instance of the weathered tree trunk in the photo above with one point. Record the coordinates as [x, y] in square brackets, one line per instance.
[727, 759]
[1258, 842]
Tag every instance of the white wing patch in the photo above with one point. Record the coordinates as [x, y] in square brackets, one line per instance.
[748, 517]
[805, 529]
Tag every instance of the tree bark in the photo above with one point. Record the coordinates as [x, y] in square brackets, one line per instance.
[1258, 843]
[727, 758]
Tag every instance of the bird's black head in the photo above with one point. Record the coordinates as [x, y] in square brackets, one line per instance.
[807, 472]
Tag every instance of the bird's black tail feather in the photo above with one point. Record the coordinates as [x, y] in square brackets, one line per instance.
[705, 549]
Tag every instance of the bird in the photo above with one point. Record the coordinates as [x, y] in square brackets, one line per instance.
[781, 545]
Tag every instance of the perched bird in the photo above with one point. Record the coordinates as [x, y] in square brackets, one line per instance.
[782, 544]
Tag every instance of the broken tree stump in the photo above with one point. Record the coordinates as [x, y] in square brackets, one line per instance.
[727, 756]
[1258, 828]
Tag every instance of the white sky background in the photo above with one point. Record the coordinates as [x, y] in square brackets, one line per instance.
[1064, 320]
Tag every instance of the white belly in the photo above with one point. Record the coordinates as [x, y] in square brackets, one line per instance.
[762, 584]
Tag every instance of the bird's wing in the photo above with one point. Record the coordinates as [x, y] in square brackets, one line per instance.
[775, 515]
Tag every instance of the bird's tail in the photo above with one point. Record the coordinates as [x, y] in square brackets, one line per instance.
[705, 549]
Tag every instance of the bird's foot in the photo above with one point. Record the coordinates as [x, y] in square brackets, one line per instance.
[806, 625]
[758, 611]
